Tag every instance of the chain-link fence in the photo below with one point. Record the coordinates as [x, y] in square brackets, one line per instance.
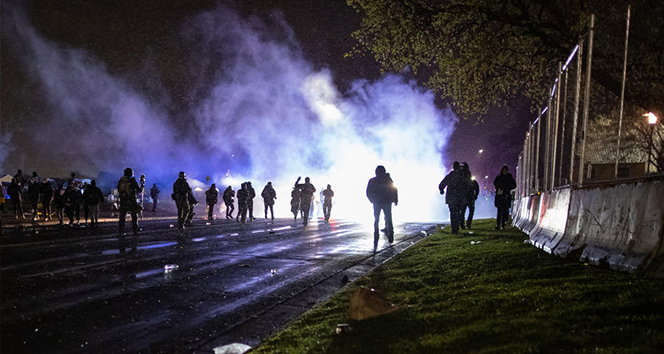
[588, 132]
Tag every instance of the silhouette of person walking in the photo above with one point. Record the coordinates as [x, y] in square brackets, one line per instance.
[382, 192]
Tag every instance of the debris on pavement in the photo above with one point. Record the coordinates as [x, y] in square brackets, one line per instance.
[366, 303]
[235, 348]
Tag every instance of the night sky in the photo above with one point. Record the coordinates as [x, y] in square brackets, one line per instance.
[141, 42]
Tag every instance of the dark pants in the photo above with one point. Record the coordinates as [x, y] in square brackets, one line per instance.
[471, 213]
[18, 206]
[270, 206]
[305, 207]
[77, 211]
[389, 228]
[229, 210]
[47, 209]
[69, 210]
[327, 209]
[503, 212]
[154, 205]
[35, 204]
[455, 216]
[250, 208]
[242, 212]
[60, 211]
[134, 220]
[210, 210]
[183, 212]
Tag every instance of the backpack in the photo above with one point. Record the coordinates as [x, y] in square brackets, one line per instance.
[124, 187]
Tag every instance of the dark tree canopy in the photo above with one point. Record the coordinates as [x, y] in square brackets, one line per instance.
[483, 53]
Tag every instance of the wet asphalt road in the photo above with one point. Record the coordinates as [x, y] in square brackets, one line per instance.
[76, 290]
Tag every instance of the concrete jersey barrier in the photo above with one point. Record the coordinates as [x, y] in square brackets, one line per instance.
[619, 225]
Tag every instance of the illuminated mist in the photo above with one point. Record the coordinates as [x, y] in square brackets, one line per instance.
[259, 110]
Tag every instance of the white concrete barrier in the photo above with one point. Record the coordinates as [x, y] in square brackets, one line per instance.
[619, 225]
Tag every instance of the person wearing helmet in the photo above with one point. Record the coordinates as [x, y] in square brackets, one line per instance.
[128, 190]
[181, 195]
[382, 192]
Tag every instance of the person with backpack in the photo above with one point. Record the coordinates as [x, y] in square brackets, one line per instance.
[269, 195]
[92, 198]
[211, 199]
[229, 195]
[128, 190]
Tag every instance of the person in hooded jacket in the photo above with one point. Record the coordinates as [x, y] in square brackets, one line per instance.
[382, 193]
[33, 194]
[504, 184]
[129, 190]
[269, 195]
[295, 201]
[182, 194]
[46, 195]
[14, 191]
[456, 192]
[154, 194]
[92, 198]
[328, 194]
[307, 191]
[229, 195]
[250, 202]
[242, 202]
[211, 199]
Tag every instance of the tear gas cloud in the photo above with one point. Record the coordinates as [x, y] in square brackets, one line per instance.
[258, 110]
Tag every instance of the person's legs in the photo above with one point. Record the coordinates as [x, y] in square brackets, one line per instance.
[377, 210]
[94, 219]
[471, 213]
[462, 216]
[47, 210]
[454, 215]
[121, 221]
[387, 209]
[210, 211]
[272, 211]
[134, 221]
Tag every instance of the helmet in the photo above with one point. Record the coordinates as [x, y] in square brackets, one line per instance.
[181, 174]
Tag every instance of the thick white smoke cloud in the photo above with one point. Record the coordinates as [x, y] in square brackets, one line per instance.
[264, 108]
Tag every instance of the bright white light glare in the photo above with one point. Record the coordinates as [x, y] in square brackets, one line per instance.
[472, 178]
[481, 151]
[652, 118]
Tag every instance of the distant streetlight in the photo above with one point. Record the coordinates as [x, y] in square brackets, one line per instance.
[481, 151]
[485, 177]
[652, 120]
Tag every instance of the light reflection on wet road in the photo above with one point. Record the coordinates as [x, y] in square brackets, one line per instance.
[74, 290]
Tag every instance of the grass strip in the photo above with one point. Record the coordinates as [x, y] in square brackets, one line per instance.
[496, 296]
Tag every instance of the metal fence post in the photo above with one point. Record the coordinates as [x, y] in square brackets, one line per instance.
[577, 98]
[586, 99]
[555, 128]
[622, 93]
